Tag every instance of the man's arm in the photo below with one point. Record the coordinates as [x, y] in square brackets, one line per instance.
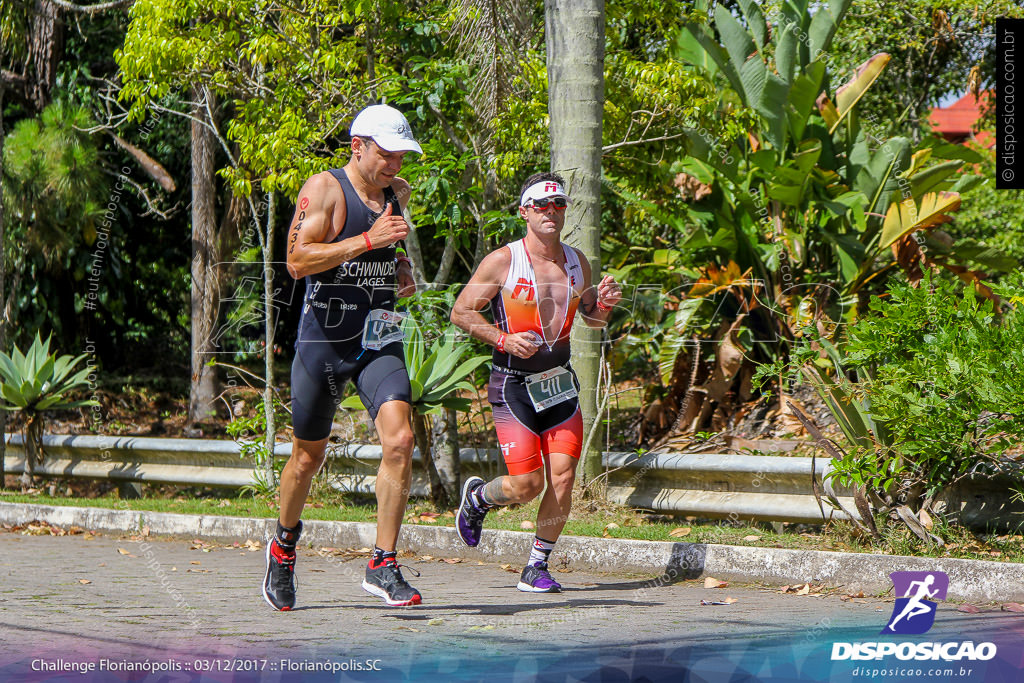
[596, 303]
[478, 292]
[307, 251]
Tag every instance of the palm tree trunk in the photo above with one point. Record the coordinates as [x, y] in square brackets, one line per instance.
[575, 65]
[205, 289]
[268, 341]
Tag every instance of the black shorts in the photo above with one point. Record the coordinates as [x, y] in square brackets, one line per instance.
[319, 373]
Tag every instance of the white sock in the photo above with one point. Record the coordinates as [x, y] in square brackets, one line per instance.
[540, 551]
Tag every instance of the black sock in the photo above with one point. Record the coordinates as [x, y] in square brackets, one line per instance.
[288, 537]
[381, 556]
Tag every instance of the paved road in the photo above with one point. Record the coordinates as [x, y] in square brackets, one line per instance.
[84, 598]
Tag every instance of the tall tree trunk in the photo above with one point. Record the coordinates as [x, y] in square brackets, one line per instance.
[445, 442]
[205, 256]
[268, 338]
[3, 299]
[46, 39]
[575, 64]
[33, 451]
[421, 432]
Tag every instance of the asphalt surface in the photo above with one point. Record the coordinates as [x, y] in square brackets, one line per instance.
[132, 598]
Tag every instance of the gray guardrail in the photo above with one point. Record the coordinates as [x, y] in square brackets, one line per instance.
[713, 485]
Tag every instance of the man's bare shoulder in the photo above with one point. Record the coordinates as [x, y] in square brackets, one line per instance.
[494, 266]
[320, 190]
[502, 256]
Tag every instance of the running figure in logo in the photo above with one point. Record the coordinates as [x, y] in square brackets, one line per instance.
[915, 605]
[342, 241]
[534, 287]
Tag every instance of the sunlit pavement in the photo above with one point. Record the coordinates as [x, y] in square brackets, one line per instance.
[188, 607]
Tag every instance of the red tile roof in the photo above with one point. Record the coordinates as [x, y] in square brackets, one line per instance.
[957, 120]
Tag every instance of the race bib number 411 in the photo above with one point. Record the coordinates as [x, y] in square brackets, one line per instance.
[382, 327]
[550, 387]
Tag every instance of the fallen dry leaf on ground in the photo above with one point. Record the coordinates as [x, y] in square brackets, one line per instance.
[751, 538]
[1013, 607]
[805, 590]
[926, 519]
[84, 581]
[712, 582]
[453, 560]
[970, 609]
[526, 524]
[195, 562]
[123, 551]
[680, 531]
[437, 621]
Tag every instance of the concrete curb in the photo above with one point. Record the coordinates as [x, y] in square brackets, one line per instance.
[970, 580]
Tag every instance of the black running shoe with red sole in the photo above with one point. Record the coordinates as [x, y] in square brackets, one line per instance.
[279, 582]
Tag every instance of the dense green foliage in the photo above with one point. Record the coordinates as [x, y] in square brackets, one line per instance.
[797, 220]
[739, 204]
[61, 173]
[992, 219]
[927, 387]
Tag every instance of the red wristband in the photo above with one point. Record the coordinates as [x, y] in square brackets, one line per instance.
[369, 246]
[501, 343]
[403, 259]
[602, 306]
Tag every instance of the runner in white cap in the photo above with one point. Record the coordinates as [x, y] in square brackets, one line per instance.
[342, 240]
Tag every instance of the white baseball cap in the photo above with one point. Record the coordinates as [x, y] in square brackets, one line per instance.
[387, 127]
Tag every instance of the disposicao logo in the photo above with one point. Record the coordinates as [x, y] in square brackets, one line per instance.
[914, 614]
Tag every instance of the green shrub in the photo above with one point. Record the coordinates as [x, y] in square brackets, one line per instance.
[927, 388]
[35, 382]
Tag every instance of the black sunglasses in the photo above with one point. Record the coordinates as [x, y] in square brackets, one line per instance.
[542, 204]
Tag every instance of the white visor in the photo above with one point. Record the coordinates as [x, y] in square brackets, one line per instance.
[542, 189]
